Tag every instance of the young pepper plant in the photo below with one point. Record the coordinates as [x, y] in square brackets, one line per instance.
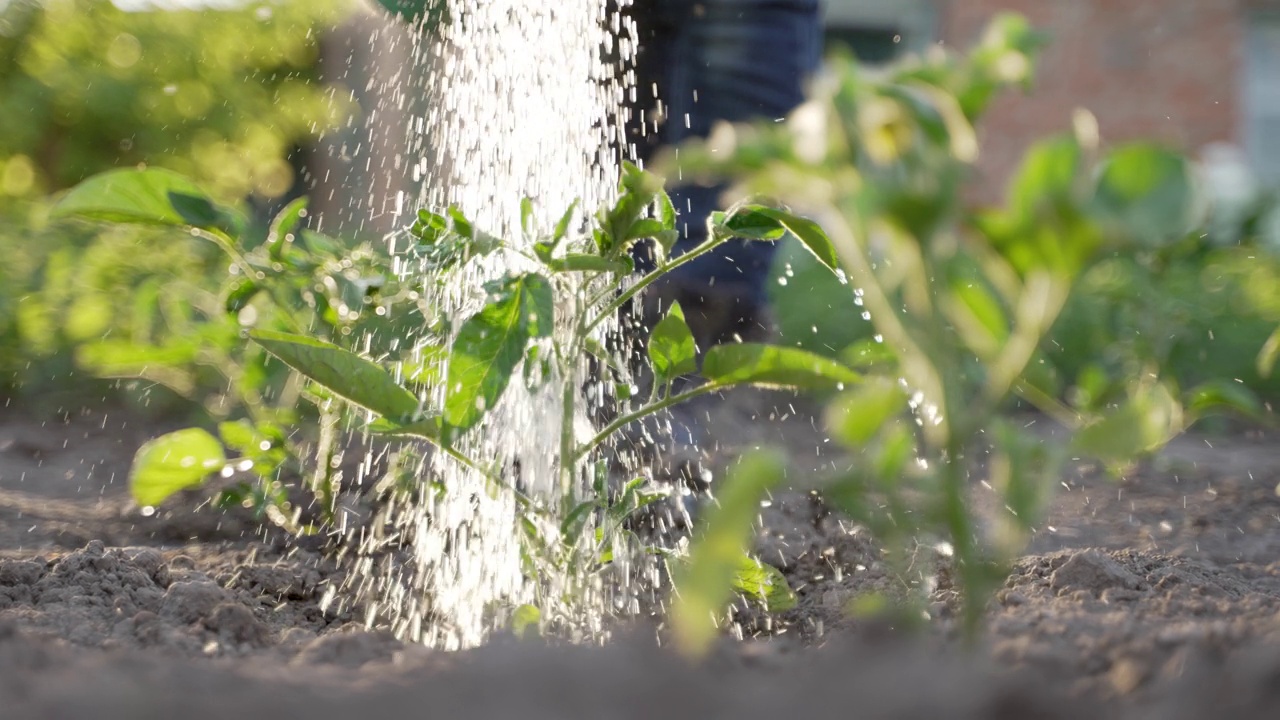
[583, 281]
[584, 278]
[960, 300]
[488, 347]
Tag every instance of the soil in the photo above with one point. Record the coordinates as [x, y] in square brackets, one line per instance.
[1157, 596]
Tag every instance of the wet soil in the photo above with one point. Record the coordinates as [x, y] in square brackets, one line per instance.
[1157, 596]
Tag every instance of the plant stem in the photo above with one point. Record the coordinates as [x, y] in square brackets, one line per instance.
[326, 449]
[918, 367]
[225, 245]
[956, 511]
[623, 297]
[475, 467]
[642, 412]
[1047, 404]
[251, 273]
[568, 459]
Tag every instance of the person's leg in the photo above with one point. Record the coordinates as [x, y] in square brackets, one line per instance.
[730, 60]
[711, 61]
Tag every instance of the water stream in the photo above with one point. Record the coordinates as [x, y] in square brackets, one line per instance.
[521, 102]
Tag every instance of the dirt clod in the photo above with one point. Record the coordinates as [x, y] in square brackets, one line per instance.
[1093, 571]
[235, 623]
[349, 649]
[187, 602]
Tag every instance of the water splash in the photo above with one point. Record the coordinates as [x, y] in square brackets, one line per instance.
[522, 103]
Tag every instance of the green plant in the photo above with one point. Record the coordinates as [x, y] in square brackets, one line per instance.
[85, 87]
[292, 280]
[1198, 314]
[960, 302]
[438, 377]
[1197, 306]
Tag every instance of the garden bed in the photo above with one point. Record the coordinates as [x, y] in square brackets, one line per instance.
[1158, 596]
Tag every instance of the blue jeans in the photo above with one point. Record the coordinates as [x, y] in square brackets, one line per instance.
[713, 60]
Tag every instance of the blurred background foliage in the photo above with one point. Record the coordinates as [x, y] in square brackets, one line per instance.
[224, 96]
[1200, 309]
[230, 96]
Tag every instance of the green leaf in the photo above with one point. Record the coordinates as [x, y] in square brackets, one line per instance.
[431, 428]
[601, 353]
[1148, 191]
[666, 211]
[571, 526]
[667, 240]
[526, 215]
[426, 367]
[1266, 361]
[1223, 395]
[668, 236]
[111, 358]
[562, 227]
[671, 347]
[240, 435]
[321, 244]
[867, 354]
[1023, 470]
[1148, 419]
[774, 366]
[585, 262]
[1046, 178]
[858, 414]
[813, 308]
[137, 196]
[429, 227]
[748, 222]
[644, 228]
[1006, 53]
[979, 318]
[491, 344]
[199, 211]
[705, 583]
[764, 584]
[284, 224]
[897, 448]
[240, 293]
[263, 445]
[525, 621]
[808, 232]
[637, 189]
[633, 500]
[344, 373]
[461, 224]
[537, 369]
[544, 252]
[174, 462]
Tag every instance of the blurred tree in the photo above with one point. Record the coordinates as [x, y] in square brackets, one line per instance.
[225, 91]
[223, 95]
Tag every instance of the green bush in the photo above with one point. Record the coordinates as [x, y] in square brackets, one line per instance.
[224, 96]
[1199, 314]
[187, 332]
[964, 309]
[1199, 307]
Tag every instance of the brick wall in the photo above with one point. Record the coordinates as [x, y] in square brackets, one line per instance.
[1163, 69]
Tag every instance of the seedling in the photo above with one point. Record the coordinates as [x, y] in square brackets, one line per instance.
[444, 379]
